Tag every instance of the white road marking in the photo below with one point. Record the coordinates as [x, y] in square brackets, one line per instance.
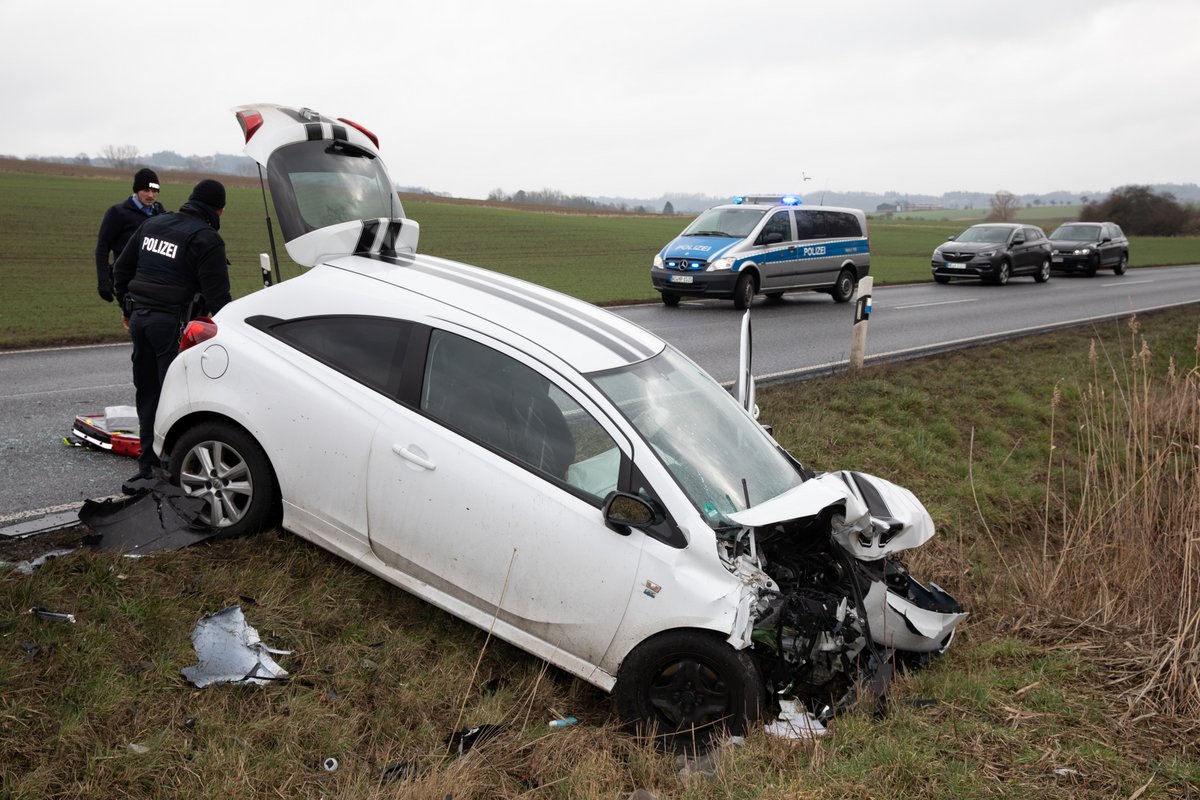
[939, 303]
[1126, 283]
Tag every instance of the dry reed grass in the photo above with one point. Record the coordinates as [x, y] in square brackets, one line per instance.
[1118, 569]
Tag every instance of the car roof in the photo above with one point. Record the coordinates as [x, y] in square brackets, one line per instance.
[550, 326]
[1003, 225]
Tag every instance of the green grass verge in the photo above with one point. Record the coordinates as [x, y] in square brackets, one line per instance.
[50, 223]
[380, 678]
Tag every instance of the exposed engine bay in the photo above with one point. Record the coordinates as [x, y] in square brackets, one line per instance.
[833, 605]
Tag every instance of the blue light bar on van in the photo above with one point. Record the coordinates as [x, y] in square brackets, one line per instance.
[768, 199]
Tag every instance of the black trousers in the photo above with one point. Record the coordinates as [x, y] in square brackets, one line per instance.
[155, 336]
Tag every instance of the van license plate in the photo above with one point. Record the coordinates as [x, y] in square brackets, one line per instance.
[680, 278]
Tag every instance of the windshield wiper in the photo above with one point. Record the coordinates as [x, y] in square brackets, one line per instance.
[712, 233]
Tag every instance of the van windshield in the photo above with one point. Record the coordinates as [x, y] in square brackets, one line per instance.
[731, 223]
[703, 437]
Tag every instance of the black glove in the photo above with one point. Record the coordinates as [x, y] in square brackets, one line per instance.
[105, 295]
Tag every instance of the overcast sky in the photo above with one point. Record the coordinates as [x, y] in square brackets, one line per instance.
[637, 98]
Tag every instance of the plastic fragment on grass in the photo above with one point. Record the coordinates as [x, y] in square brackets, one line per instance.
[330, 764]
[162, 518]
[27, 567]
[139, 749]
[463, 740]
[795, 722]
[230, 651]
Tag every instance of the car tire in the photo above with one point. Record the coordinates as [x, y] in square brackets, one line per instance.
[1003, 272]
[1093, 266]
[942, 278]
[1043, 273]
[743, 291]
[1122, 264]
[670, 299]
[222, 464]
[688, 689]
[843, 287]
[774, 297]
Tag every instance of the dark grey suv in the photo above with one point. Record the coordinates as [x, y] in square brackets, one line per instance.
[994, 252]
[1089, 246]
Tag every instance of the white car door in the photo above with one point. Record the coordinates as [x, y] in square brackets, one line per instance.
[491, 497]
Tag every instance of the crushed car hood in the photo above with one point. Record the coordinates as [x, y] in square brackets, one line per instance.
[876, 516]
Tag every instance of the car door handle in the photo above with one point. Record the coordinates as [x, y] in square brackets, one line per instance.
[415, 458]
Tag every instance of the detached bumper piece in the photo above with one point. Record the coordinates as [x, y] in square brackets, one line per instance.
[116, 430]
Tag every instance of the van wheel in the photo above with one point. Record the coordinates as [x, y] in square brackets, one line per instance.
[688, 688]
[843, 288]
[670, 299]
[743, 291]
[774, 297]
[223, 465]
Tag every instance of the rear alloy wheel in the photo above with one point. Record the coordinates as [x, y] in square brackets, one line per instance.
[221, 464]
[670, 299]
[689, 688]
[1122, 264]
[1043, 273]
[743, 291]
[1002, 273]
[843, 288]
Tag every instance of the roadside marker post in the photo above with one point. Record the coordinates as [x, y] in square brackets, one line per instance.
[862, 315]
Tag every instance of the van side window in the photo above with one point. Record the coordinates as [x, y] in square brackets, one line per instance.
[805, 224]
[843, 225]
[515, 411]
[778, 224]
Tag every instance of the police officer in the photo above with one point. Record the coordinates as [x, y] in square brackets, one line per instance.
[172, 271]
[119, 223]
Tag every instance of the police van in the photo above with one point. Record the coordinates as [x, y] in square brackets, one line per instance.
[768, 244]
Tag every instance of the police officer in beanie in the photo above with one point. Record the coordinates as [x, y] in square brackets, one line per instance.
[173, 270]
[119, 223]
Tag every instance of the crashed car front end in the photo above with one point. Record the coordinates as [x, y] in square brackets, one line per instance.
[837, 603]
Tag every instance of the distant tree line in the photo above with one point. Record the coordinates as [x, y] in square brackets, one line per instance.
[1140, 211]
[553, 197]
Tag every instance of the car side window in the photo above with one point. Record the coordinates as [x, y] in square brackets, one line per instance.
[368, 349]
[517, 412]
[778, 223]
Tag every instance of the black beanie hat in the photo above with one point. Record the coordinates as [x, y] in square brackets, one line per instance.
[145, 179]
[209, 192]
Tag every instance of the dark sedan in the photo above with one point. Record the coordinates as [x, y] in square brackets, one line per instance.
[1089, 246]
[994, 252]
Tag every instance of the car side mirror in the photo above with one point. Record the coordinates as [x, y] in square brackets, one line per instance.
[1018, 240]
[1105, 240]
[623, 511]
[774, 237]
[949, 238]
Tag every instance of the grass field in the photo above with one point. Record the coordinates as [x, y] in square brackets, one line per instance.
[49, 223]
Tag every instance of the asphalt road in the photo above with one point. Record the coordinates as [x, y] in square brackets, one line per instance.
[41, 391]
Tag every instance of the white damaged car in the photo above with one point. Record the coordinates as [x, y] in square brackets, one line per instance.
[509, 453]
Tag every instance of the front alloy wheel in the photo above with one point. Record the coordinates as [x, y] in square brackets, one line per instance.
[1002, 273]
[1043, 273]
